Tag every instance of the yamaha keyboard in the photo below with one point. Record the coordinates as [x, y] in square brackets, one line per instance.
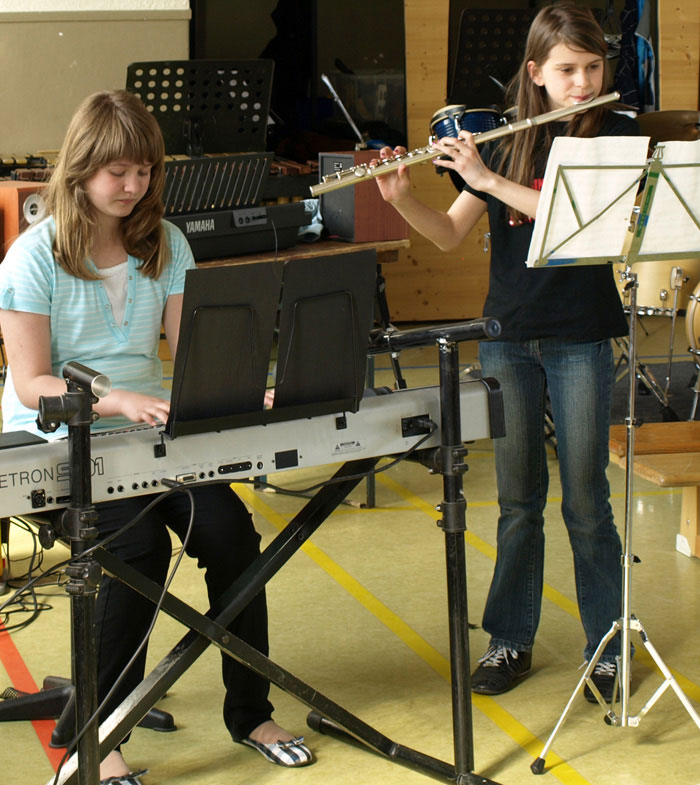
[34, 474]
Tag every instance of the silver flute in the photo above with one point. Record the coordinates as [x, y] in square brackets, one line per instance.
[362, 172]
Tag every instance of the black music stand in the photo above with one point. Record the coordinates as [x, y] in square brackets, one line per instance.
[488, 52]
[225, 348]
[206, 106]
[327, 280]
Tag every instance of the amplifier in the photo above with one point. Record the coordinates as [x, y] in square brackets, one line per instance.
[222, 233]
[21, 204]
[357, 214]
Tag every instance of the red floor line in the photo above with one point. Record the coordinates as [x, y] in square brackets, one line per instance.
[22, 680]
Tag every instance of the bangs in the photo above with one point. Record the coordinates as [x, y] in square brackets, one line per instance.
[595, 44]
[128, 140]
[109, 127]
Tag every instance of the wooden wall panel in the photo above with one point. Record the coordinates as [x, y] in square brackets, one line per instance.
[679, 54]
[427, 284]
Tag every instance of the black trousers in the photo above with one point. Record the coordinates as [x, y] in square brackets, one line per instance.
[224, 542]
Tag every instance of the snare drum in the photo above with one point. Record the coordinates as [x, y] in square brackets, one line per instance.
[450, 120]
[656, 284]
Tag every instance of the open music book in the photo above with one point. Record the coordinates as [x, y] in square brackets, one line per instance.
[587, 200]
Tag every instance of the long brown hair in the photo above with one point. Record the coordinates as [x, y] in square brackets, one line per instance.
[578, 29]
[108, 126]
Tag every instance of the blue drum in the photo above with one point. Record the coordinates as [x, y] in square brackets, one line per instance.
[450, 120]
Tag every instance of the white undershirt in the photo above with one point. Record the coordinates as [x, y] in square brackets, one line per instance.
[114, 282]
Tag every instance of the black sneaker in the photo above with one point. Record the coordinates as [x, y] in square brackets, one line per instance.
[604, 677]
[500, 669]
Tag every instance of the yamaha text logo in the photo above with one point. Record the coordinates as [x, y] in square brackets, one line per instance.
[200, 226]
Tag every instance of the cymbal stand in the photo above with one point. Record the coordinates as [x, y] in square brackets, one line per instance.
[628, 622]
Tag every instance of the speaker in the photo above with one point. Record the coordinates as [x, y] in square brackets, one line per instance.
[21, 204]
[357, 213]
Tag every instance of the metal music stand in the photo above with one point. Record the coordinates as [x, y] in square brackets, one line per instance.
[206, 106]
[669, 191]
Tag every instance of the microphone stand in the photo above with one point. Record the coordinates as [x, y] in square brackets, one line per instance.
[76, 524]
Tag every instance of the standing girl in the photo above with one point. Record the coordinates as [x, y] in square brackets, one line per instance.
[556, 329]
[93, 283]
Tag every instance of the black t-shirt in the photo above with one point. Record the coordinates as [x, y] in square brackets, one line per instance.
[578, 302]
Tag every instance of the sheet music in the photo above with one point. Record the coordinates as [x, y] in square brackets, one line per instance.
[673, 224]
[584, 213]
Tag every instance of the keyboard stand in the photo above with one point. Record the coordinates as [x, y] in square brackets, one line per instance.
[326, 714]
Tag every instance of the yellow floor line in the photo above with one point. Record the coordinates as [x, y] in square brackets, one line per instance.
[501, 718]
[475, 542]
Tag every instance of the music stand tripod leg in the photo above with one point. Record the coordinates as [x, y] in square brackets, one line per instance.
[537, 766]
[627, 621]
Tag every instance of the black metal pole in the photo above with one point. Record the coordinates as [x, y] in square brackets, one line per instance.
[77, 524]
[453, 523]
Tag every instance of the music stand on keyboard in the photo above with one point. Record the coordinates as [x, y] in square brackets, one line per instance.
[225, 347]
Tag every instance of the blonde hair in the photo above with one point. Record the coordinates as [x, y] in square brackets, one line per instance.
[108, 126]
[578, 29]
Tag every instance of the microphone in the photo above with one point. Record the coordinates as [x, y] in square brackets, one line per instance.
[97, 383]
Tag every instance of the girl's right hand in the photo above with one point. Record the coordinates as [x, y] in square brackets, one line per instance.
[138, 407]
[394, 185]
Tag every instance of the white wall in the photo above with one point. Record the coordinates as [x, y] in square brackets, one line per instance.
[42, 6]
[54, 53]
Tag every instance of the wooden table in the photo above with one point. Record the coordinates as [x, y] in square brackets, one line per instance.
[667, 454]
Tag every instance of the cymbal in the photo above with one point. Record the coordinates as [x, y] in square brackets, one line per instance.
[678, 125]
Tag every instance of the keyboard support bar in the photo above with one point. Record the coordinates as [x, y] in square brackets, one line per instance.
[326, 715]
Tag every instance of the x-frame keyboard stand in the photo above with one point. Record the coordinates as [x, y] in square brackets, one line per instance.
[211, 628]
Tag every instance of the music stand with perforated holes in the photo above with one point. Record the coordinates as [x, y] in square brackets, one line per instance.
[206, 106]
[671, 197]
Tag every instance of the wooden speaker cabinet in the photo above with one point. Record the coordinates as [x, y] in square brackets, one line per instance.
[357, 213]
[21, 204]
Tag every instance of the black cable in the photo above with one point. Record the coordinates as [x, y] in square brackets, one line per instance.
[102, 543]
[34, 606]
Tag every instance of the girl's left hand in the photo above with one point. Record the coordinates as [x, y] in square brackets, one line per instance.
[464, 159]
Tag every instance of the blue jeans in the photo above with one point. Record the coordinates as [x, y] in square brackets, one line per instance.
[579, 378]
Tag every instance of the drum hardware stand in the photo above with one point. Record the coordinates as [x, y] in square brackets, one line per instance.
[641, 372]
[696, 383]
[677, 281]
[628, 622]
[645, 376]
[327, 715]
[77, 525]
